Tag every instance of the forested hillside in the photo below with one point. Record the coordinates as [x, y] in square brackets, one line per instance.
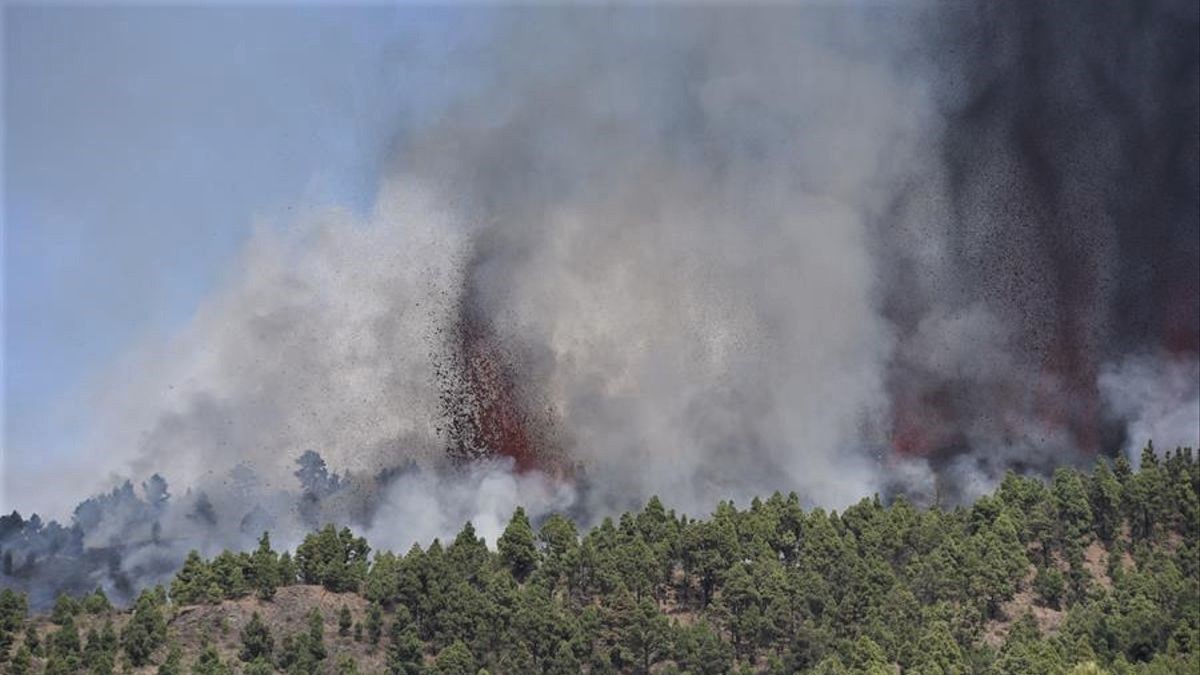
[1087, 573]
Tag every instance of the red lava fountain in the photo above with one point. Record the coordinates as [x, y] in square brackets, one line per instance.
[487, 412]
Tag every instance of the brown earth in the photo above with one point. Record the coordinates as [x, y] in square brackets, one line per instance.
[194, 626]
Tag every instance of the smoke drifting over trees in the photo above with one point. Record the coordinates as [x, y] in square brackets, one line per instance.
[699, 253]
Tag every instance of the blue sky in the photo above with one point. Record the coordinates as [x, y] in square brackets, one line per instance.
[141, 143]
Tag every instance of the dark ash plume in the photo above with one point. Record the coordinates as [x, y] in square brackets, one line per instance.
[1063, 200]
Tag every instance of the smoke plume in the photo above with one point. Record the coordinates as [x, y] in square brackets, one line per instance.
[698, 253]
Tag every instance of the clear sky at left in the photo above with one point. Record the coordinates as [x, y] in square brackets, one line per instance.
[141, 143]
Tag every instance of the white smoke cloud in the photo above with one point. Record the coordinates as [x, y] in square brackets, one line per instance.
[673, 245]
[677, 245]
[1159, 396]
[420, 507]
[321, 340]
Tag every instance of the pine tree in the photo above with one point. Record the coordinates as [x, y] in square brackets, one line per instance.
[336, 560]
[516, 546]
[564, 661]
[58, 665]
[146, 630]
[739, 604]
[561, 542]
[647, 635]
[65, 642]
[97, 602]
[347, 666]
[33, 640]
[289, 653]
[102, 664]
[832, 665]
[996, 562]
[91, 644]
[381, 582]
[1050, 585]
[13, 608]
[192, 582]
[865, 656]
[109, 641]
[700, 650]
[467, 554]
[65, 607]
[455, 660]
[21, 662]
[257, 642]
[316, 635]
[287, 569]
[229, 572]
[345, 621]
[638, 566]
[209, 663]
[1071, 502]
[264, 568]
[374, 623]
[1104, 494]
[938, 652]
[404, 653]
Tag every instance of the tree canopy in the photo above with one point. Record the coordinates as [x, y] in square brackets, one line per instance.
[1083, 573]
